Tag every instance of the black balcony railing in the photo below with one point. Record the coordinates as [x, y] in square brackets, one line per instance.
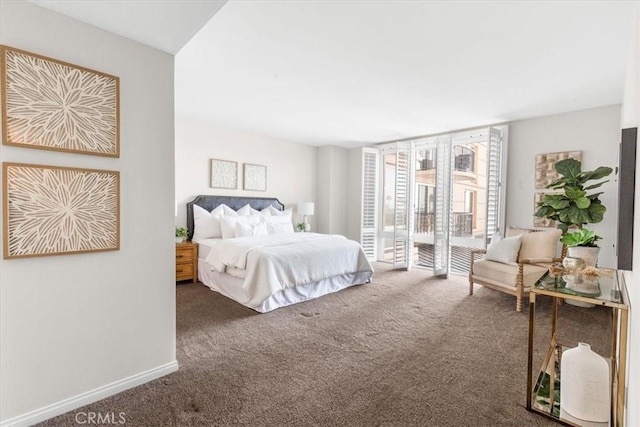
[425, 223]
[462, 223]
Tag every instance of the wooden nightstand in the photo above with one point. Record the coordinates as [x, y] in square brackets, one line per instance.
[186, 261]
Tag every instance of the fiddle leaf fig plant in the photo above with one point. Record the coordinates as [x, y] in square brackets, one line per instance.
[574, 207]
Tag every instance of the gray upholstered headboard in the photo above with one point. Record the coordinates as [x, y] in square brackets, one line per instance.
[209, 203]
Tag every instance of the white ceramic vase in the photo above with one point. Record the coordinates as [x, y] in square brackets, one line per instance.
[179, 239]
[585, 384]
[588, 254]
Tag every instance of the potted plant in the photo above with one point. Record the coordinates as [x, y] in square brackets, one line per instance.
[574, 207]
[582, 244]
[181, 234]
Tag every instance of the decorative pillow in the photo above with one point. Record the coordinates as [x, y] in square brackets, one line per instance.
[244, 230]
[276, 212]
[278, 220]
[511, 231]
[540, 246]
[504, 250]
[280, 227]
[223, 209]
[228, 224]
[206, 225]
[247, 210]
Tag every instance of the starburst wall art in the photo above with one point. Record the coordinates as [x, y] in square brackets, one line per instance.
[54, 105]
[50, 210]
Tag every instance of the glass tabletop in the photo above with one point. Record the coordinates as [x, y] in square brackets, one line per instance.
[603, 288]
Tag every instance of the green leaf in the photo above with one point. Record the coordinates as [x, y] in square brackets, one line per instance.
[583, 203]
[558, 183]
[599, 173]
[591, 187]
[559, 204]
[574, 215]
[544, 211]
[596, 212]
[568, 168]
[574, 193]
[582, 237]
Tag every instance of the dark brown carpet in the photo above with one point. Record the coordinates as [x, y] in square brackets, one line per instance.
[405, 350]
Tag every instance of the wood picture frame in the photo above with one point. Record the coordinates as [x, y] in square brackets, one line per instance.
[54, 105]
[541, 221]
[224, 174]
[545, 171]
[255, 177]
[53, 210]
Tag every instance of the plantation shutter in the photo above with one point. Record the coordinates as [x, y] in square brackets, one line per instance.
[402, 221]
[369, 224]
[441, 250]
[494, 174]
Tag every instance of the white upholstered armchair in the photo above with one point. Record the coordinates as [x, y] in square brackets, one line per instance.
[514, 263]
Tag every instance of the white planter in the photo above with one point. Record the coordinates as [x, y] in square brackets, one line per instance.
[585, 384]
[179, 239]
[587, 254]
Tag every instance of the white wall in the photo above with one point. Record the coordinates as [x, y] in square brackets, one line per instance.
[354, 194]
[291, 168]
[74, 323]
[596, 132]
[631, 118]
[332, 184]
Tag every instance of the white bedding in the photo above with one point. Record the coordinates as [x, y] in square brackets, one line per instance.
[273, 264]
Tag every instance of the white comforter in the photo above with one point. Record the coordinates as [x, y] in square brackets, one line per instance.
[279, 261]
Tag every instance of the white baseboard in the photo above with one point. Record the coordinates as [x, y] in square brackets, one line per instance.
[94, 395]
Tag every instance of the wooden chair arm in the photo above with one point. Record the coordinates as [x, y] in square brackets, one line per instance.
[537, 261]
[475, 252]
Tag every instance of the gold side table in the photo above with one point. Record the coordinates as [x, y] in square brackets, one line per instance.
[543, 394]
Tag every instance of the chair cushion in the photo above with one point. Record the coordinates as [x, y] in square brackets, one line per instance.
[504, 250]
[540, 246]
[507, 274]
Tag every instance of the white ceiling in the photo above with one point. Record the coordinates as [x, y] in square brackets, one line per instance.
[164, 24]
[357, 72]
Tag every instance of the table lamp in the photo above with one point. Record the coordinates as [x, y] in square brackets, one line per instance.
[306, 208]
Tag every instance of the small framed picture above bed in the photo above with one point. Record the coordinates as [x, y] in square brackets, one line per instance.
[255, 177]
[224, 174]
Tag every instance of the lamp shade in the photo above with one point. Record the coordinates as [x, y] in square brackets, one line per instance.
[306, 208]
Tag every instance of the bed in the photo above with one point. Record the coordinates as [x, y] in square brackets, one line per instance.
[268, 271]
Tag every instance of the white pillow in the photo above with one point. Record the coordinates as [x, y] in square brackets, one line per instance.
[275, 211]
[266, 212]
[228, 224]
[504, 250]
[280, 227]
[286, 215]
[247, 210]
[244, 230]
[206, 225]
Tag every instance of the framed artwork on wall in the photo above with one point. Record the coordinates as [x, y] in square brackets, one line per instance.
[542, 222]
[545, 172]
[255, 177]
[51, 210]
[53, 105]
[224, 174]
